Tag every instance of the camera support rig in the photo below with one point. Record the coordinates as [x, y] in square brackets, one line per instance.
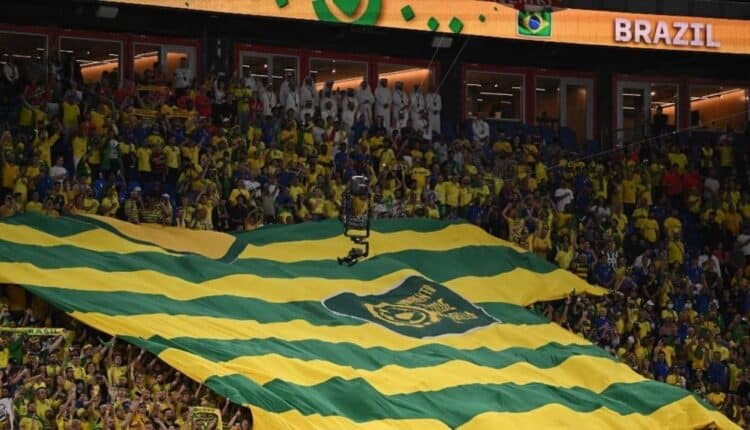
[356, 219]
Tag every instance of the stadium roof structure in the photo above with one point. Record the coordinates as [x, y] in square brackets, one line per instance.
[429, 333]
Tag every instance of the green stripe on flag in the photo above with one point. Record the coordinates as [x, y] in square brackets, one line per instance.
[440, 266]
[349, 398]
[232, 307]
[348, 354]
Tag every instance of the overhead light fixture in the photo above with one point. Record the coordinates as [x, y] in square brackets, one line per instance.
[442, 42]
[632, 94]
[541, 90]
[146, 54]
[653, 93]
[114, 55]
[473, 85]
[516, 88]
[721, 93]
[107, 12]
[40, 49]
[480, 100]
[66, 51]
[488, 93]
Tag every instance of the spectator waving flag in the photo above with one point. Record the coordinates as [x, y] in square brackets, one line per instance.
[429, 333]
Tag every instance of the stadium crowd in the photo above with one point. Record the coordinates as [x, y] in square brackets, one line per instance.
[661, 223]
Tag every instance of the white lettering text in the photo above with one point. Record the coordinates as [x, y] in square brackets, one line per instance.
[697, 34]
[662, 34]
[642, 31]
[710, 42]
[647, 32]
[622, 30]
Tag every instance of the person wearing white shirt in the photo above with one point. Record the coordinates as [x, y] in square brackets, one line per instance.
[480, 130]
[365, 99]
[58, 172]
[249, 80]
[383, 100]
[349, 108]
[434, 106]
[563, 197]
[422, 126]
[417, 107]
[308, 92]
[400, 106]
[183, 78]
[284, 88]
[712, 260]
[308, 111]
[743, 242]
[268, 100]
[328, 107]
[292, 99]
[10, 70]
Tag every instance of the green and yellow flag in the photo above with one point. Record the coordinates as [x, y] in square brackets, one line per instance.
[428, 333]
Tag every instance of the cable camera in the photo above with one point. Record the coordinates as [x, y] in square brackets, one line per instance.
[356, 219]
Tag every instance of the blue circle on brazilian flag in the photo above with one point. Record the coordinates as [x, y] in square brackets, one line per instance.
[535, 23]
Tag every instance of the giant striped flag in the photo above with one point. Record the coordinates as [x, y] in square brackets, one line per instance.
[429, 333]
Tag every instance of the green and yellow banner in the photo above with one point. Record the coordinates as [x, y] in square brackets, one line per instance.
[430, 332]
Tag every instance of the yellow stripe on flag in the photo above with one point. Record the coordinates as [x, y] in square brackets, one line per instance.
[495, 336]
[592, 373]
[683, 414]
[210, 244]
[294, 420]
[520, 286]
[451, 237]
[93, 240]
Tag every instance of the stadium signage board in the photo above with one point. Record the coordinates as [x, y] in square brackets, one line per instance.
[676, 33]
[492, 19]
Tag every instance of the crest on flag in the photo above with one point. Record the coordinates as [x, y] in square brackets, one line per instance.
[416, 307]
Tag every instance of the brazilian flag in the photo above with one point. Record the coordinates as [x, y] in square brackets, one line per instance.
[430, 333]
[535, 24]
